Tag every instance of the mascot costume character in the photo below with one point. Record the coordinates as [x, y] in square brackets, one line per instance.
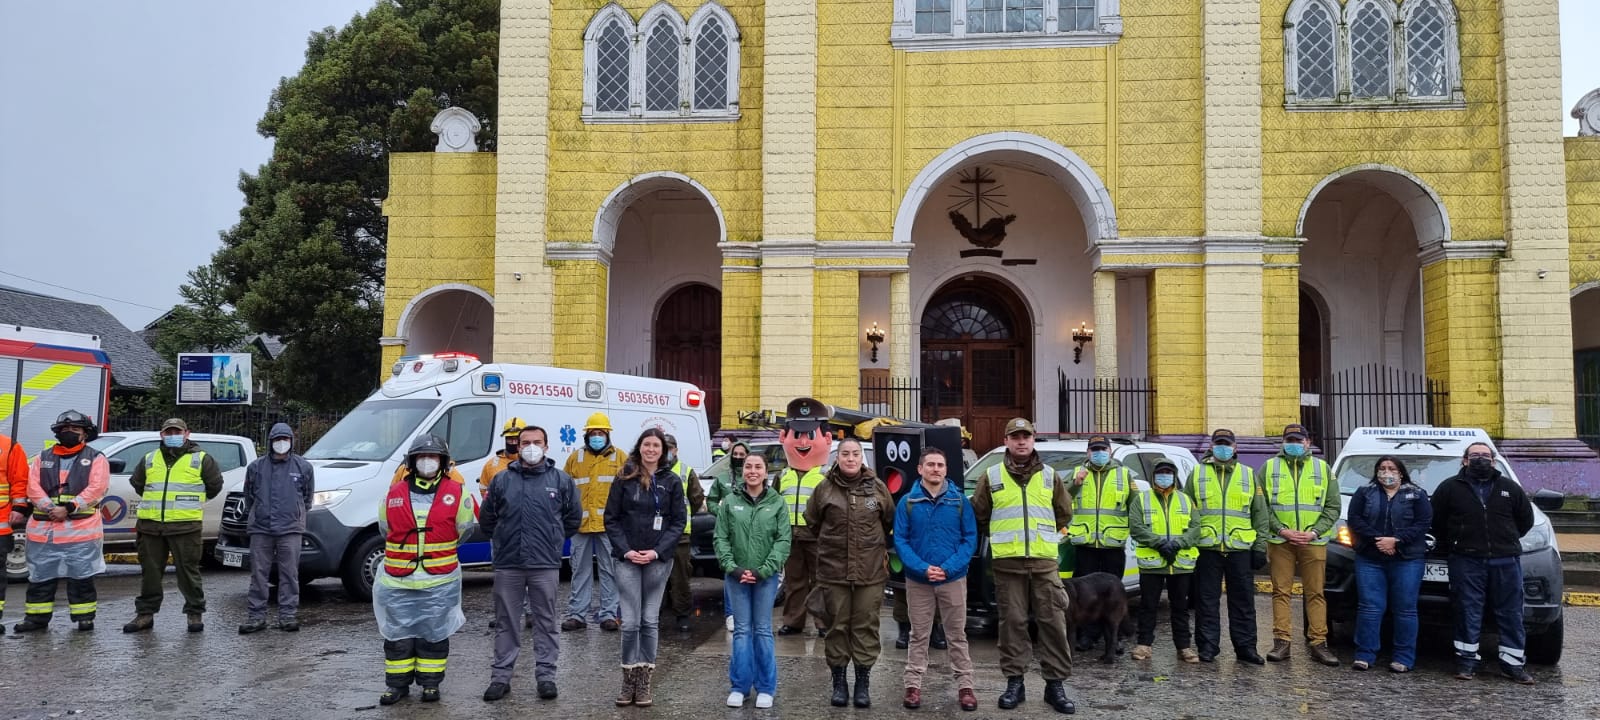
[806, 444]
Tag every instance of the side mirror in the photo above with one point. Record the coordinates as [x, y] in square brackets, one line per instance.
[119, 466]
[1549, 500]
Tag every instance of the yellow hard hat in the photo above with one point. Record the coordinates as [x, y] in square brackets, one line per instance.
[598, 421]
[513, 427]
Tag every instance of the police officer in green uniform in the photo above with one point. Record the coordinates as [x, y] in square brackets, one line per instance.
[1101, 488]
[173, 482]
[678, 588]
[1027, 508]
[1233, 545]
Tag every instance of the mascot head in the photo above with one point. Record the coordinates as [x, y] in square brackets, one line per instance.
[805, 440]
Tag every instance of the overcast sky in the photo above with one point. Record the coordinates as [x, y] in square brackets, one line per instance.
[125, 126]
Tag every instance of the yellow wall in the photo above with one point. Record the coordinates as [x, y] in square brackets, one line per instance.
[1460, 314]
[1583, 207]
[441, 229]
[1280, 323]
[580, 325]
[1178, 350]
[587, 162]
[741, 343]
[836, 350]
[1456, 152]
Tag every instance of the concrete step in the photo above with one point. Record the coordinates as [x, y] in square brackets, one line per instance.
[1580, 573]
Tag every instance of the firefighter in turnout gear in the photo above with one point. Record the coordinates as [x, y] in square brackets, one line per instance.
[1101, 490]
[13, 500]
[416, 596]
[502, 458]
[1304, 497]
[805, 446]
[173, 482]
[1027, 509]
[65, 486]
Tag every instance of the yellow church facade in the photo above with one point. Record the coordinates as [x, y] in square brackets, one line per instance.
[1265, 211]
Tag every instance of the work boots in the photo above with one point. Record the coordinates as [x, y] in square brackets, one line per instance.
[196, 623]
[841, 688]
[863, 694]
[625, 698]
[1056, 696]
[1321, 654]
[140, 623]
[30, 624]
[1016, 693]
[903, 640]
[1280, 651]
[641, 686]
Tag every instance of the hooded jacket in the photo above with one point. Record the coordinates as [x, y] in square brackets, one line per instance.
[529, 513]
[278, 490]
[852, 519]
[210, 474]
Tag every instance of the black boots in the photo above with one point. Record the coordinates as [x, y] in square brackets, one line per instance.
[1056, 697]
[936, 639]
[903, 640]
[863, 693]
[841, 688]
[1015, 693]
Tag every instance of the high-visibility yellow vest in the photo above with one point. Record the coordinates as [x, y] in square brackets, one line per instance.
[1224, 507]
[796, 490]
[1101, 518]
[173, 493]
[1296, 499]
[688, 509]
[1022, 522]
[1169, 523]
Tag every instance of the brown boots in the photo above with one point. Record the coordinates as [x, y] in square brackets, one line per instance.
[636, 687]
[1280, 651]
[140, 623]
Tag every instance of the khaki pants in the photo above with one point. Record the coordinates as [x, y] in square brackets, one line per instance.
[854, 633]
[950, 599]
[1015, 589]
[1285, 560]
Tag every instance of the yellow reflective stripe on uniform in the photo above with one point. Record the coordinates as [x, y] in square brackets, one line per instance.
[426, 547]
[1225, 520]
[796, 492]
[1101, 518]
[81, 608]
[1022, 522]
[688, 509]
[400, 666]
[44, 608]
[1297, 505]
[173, 493]
[430, 665]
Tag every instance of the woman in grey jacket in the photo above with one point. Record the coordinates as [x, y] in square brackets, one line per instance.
[277, 492]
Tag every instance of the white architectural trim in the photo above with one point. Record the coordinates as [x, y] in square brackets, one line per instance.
[561, 251]
[1585, 287]
[457, 130]
[1075, 176]
[714, 12]
[1424, 206]
[638, 34]
[609, 217]
[1462, 250]
[1399, 14]
[903, 35]
[591, 35]
[391, 341]
[1456, 93]
[1352, 11]
[403, 326]
[660, 16]
[1291, 49]
[1587, 112]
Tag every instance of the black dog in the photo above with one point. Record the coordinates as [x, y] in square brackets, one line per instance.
[1097, 598]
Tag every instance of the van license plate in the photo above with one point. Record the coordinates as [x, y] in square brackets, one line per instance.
[1436, 572]
[232, 559]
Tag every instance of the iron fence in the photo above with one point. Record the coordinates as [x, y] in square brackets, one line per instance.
[899, 398]
[1332, 407]
[1105, 405]
[248, 421]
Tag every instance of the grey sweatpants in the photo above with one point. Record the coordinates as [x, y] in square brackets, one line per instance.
[536, 588]
[268, 552]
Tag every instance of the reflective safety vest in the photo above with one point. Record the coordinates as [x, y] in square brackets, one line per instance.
[1225, 507]
[173, 493]
[61, 491]
[1297, 500]
[1169, 524]
[1101, 518]
[1022, 522]
[427, 538]
[688, 510]
[796, 490]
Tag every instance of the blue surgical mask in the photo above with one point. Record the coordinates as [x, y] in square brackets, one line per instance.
[1222, 452]
[1099, 457]
[597, 442]
[1164, 480]
[172, 441]
[1294, 450]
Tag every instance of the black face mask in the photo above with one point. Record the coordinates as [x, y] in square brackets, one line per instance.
[1480, 467]
[512, 447]
[69, 438]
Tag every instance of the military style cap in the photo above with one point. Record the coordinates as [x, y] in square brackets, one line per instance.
[805, 414]
[1099, 442]
[1295, 431]
[1222, 435]
[1016, 425]
[174, 423]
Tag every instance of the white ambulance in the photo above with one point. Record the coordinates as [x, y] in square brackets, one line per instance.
[466, 402]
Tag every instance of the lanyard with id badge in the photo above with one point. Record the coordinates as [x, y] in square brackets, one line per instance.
[655, 498]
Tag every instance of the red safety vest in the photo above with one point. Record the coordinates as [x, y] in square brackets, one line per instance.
[432, 547]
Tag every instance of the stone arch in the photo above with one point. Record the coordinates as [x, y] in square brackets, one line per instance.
[419, 330]
[609, 216]
[1051, 159]
[1427, 211]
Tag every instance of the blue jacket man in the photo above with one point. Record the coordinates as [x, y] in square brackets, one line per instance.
[935, 534]
[277, 495]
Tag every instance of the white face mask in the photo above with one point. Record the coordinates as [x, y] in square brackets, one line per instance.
[428, 467]
[281, 447]
[531, 454]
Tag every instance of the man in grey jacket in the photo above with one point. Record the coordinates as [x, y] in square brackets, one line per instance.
[530, 511]
[277, 495]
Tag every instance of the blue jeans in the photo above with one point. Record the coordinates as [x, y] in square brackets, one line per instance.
[1387, 586]
[754, 662]
[641, 588]
[1495, 585]
[584, 547]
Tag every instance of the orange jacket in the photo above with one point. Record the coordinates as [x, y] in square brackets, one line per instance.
[73, 529]
[13, 481]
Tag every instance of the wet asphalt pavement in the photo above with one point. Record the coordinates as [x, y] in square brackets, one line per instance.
[333, 668]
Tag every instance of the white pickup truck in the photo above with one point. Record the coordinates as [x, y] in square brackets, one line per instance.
[119, 510]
